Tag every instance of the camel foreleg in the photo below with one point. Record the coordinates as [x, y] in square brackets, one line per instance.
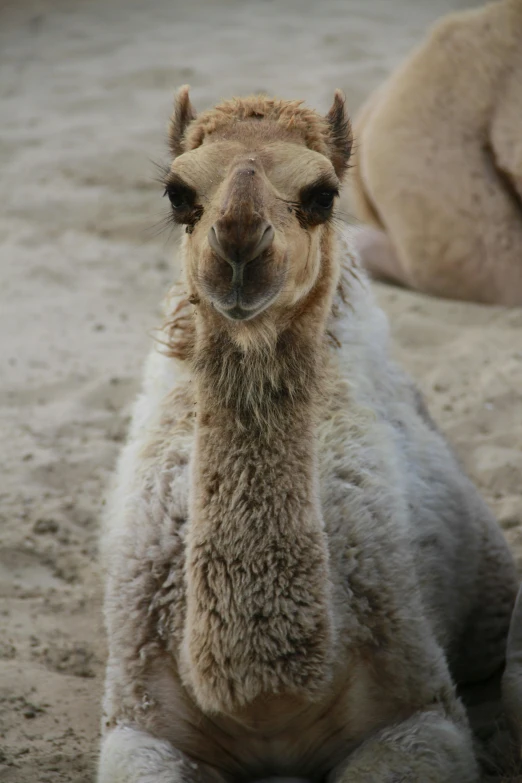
[129, 755]
[426, 748]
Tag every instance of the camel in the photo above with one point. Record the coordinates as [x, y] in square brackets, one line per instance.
[437, 178]
[299, 575]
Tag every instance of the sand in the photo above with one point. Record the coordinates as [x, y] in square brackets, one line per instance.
[86, 90]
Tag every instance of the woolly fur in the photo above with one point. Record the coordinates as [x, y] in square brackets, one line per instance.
[297, 570]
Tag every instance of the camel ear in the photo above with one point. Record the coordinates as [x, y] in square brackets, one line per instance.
[182, 115]
[341, 138]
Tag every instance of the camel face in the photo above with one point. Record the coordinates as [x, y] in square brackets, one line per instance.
[255, 242]
[255, 199]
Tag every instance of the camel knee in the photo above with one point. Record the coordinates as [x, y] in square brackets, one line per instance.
[129, 755]
[428, 747]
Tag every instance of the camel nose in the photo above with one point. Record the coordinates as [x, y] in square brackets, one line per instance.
[237, 243]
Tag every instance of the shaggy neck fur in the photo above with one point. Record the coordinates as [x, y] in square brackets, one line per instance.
[258, 591]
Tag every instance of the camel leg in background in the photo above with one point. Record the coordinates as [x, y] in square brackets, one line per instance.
[378, 256]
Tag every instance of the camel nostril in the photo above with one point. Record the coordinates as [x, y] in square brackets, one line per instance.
[240, 245]
[266, 240]
[215, 244]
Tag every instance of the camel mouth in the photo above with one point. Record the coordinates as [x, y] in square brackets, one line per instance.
[239, 314]
[239, 310]
[244, 300]
[241, 291]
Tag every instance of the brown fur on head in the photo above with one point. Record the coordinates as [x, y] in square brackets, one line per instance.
[254, 181]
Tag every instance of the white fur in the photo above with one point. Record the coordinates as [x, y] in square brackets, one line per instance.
[414, 483]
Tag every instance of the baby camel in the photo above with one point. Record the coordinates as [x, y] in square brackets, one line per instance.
[438, 174]
[298, 571]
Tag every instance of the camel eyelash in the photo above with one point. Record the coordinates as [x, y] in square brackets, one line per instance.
[321, 185]
[185, 210]
[316, 206]
[315, 202]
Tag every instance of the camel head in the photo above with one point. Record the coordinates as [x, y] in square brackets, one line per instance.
[254, 181]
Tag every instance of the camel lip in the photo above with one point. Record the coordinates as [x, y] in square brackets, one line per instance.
[236, 309]
[238, 313]
[239, 302]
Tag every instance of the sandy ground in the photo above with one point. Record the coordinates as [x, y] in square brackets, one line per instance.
[85, 91]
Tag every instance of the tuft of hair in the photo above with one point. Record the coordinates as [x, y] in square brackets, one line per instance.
[331, 135]
[182, 116]
[178, 332]
[259, 387]
[258, 336]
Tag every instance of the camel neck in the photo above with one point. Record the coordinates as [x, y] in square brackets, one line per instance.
[258, 607]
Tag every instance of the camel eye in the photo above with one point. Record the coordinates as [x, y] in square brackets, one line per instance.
[324, 198]
[316, 202]
[182, 197]
[177, 196]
